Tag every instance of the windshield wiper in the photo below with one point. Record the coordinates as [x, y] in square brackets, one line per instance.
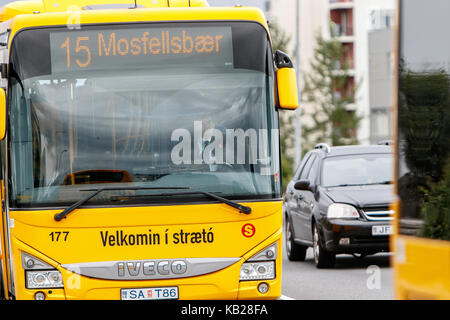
[241, 208]
[212, 195]
[63, 214]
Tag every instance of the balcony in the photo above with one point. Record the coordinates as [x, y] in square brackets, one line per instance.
[346, 39]
[341, 26]
[340, 5]
[343, 37]
[342, 73]
[342, 33]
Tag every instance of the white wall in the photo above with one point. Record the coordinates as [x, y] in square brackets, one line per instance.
[361, 14]
[313, 18]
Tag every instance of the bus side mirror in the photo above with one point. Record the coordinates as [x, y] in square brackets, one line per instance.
[286, 82]
[2, 113]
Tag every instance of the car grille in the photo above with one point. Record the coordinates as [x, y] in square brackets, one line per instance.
[378, 214]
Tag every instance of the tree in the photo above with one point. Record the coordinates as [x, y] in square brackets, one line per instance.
[329, 89]
[280, 41]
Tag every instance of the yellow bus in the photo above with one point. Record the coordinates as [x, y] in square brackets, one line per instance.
[140, 152]
[422, 229]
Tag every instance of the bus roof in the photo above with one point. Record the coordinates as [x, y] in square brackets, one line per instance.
[42, 13]
[15, 8]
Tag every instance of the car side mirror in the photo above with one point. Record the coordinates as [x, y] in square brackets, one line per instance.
[286, 82]
[302, 185]
[2, 114]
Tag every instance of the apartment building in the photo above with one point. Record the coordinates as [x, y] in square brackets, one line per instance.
[355, 23]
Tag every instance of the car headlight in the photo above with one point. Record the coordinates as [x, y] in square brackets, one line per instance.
[44, 279]
[39, 274]
[260, 266]
[341, 210]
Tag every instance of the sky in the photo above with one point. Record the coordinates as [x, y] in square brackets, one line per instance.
[417, 40]
[3, 2]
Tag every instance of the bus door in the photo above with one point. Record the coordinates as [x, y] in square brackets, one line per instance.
[3, 248]
[3, 220]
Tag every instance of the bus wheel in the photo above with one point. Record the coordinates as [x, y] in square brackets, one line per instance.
[295, 252]
[322, 258]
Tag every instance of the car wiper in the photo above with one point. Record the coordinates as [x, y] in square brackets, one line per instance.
[344, 185]
[241, 208]
[360, 184]
[63, 214]
[374, 183]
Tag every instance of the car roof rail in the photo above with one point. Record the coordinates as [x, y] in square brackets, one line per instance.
[386, 142]
[324, 146]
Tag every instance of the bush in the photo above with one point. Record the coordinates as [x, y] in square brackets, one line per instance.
[436, 209]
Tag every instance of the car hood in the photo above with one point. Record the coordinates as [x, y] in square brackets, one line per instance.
[363, 196]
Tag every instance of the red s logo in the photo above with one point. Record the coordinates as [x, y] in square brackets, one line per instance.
[248, 230]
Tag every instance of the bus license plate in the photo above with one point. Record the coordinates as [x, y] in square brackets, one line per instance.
[381, 230]
[149, 293]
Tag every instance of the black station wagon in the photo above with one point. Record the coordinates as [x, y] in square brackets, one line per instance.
[338, 203]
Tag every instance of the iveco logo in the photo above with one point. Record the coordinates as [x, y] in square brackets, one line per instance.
[151, 268]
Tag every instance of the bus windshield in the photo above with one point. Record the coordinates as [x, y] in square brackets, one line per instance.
[146, 105]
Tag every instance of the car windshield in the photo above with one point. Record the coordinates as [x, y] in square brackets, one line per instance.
[180, 105]
[358, 169]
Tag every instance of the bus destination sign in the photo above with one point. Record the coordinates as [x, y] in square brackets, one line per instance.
[129, 48]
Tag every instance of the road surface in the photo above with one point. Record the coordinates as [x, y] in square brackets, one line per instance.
[352, 278]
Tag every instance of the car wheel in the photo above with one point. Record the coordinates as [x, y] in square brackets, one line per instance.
[295, 252]
[322, 257]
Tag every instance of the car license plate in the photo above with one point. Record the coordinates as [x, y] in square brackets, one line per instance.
[381, 230]
[149, 293]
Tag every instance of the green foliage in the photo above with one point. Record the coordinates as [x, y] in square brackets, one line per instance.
[280, 39]
[287, 162]
[424, 109]
[424, 131]
[436, 209]
[327, 87]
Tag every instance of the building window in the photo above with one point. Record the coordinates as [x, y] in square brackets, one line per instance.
[380, 19]
[380, 125]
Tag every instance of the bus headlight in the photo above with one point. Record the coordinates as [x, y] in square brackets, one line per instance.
[266, 254]
[44, 279]
[257, 271]
[39, 274]
[261, 266]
